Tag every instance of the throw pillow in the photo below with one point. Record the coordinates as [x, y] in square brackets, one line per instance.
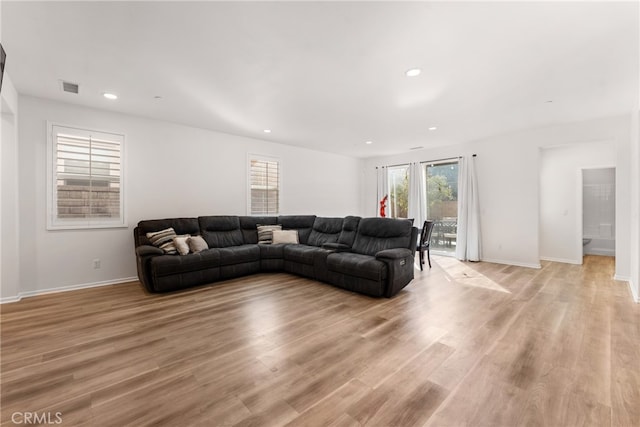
[180, 242]
[265, 233]
[163, 239]
[197, 244]
[285, 236]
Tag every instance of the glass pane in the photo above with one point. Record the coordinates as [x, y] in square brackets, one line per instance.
[442, 204]
[398, 192]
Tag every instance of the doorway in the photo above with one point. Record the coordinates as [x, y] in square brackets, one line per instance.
[598, 211]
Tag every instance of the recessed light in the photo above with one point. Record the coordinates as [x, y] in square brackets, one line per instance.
[267, 131]
[368, 142]
[433, 128]
[413, 72]
[110, 95]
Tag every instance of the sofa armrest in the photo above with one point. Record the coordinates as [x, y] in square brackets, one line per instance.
[396, 253]
[337, 247]
[146, 250]
[399, 262]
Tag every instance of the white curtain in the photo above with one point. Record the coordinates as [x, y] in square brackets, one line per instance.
[468, 244]
[383, 186]
[417, 195]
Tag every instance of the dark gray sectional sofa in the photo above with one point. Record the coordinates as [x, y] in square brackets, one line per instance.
[372, 256]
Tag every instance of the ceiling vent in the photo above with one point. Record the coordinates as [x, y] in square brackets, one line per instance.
[69, 87]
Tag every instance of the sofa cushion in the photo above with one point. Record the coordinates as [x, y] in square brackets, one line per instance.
[377, 234]
[302, 223]
[163, 239]
[349, 229]
[357, 265]
[302, 254]
[167, 265]
[249, 224]
[180, 226]
[265, 233]
[285, 236]
[239, 254]
[325, 230]
[221, 231]
[272, 251]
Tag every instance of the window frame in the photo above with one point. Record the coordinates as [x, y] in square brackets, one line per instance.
[53, 221]
[269, 158]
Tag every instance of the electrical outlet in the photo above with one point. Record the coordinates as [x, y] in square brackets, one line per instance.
[96, 263]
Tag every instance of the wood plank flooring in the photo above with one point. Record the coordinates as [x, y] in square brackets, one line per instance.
[465, 344]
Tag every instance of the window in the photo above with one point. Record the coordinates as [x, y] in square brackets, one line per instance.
[85, 179]
[442, 203]
[398, 191]
[264, 186]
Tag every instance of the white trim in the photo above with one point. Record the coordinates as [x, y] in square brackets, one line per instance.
[634, 295]
[562, 260]
[514, 263]
[256, 156]
[28, 294]
[6, 300]
[632, 289]
[55, 224]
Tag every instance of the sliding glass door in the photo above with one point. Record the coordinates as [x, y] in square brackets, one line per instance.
[442, 203]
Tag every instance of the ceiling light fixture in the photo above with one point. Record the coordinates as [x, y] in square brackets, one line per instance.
[267, 131]
[413, 72]
[368, 142]
[110, 95]
[433, 128]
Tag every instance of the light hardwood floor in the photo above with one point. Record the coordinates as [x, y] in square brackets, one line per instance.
[464, 344]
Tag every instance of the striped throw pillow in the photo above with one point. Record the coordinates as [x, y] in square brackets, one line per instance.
[163, 239]
[265, 233]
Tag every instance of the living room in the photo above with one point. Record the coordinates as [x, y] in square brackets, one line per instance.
[191, 119]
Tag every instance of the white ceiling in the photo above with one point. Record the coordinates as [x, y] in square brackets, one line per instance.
[330, 75]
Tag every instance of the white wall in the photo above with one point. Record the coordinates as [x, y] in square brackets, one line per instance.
[560, 197]
[509, 185]
[635, 206]
[171, 170]
[9, 216]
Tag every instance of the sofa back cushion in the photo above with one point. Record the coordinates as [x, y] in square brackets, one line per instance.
[349, 229]
[221, 231]
[179, 225]
[377, 234]
[302, 223]
[249, 226]
[325, 230]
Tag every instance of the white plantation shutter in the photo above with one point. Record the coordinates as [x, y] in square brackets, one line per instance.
[264, 179]
[86, 179]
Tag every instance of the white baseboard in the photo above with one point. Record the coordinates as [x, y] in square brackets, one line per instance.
[514, 263]
[4, 300]
[28, 294]
[634, 292]
[562, 260]
[632, 288]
